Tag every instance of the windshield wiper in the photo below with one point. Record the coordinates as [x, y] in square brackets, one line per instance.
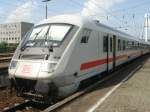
[50, 47]
[36, 35]
[25, 45]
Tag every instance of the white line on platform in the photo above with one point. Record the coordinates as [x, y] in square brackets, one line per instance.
[100, 101]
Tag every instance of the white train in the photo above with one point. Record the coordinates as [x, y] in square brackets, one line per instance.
[62, 51]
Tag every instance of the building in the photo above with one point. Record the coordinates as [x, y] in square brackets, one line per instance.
[14, 32]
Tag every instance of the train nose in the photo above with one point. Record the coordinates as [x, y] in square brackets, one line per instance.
[27, 70]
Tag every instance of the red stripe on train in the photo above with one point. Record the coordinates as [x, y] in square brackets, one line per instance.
[95, 63]
[92, 64]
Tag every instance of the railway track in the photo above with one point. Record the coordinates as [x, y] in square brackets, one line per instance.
[27, 105]
[17, 107]
[5, 57]
[2, 87]
[30, 104]
[4, 63]
[6, 54]
[4, 81]
[4, 70]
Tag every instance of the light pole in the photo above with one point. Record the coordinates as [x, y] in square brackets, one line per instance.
[46, 7]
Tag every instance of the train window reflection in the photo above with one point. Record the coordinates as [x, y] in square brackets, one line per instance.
[39, 33]
[45, 35]
[58, 32]
[85, 36]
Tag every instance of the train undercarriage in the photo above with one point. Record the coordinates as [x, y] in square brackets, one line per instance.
[35, 90]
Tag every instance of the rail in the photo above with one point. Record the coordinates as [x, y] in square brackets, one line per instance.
[4, 60]
[17, 107]
[6, 54]
[5, 57]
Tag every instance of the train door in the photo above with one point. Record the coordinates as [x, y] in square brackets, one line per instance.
[107, 51]
[110, 52]
[114, 51]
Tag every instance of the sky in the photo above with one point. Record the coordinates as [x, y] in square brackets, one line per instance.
[124, 15]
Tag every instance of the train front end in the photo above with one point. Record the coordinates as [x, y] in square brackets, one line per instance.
[36, 60]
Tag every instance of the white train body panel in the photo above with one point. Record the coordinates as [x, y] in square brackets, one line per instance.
[79, 56]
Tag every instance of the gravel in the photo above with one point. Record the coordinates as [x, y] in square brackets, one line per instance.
[8, 99]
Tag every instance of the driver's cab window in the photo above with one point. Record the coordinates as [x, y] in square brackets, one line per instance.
[85, 35]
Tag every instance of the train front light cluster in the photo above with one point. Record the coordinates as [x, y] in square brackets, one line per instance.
[13, 64]
[48, 67]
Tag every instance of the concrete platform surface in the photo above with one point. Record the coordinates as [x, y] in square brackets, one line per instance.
[125, 91]
[131, 96]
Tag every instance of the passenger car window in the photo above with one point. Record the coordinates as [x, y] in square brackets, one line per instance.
[85, 35]
[124, 45]
[105, 43]
[119, 45]
[111, 45]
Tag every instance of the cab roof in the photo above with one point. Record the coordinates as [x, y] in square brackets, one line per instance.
[69, 19]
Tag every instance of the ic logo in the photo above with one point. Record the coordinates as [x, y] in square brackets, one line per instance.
[26, 69]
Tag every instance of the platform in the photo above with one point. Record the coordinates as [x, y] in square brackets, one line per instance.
[128, 90]
[131, 96]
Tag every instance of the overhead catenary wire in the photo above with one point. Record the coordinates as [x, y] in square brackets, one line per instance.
[134, 22]
[109, 17]
[131, 7]
[123, 23]
[135, 26]
[118, 20]
[77, 3]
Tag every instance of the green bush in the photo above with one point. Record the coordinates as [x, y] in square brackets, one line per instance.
[4, 47]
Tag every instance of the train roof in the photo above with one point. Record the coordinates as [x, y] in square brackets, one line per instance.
[69, 19]
[80, 21]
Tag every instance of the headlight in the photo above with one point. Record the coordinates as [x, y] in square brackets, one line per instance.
[48, 67]
[13, 64]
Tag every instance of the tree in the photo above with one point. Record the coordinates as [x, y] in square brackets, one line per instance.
[3, 47]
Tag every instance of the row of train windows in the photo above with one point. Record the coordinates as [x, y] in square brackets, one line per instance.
[86, 35]
[105, 44]
[122, 45]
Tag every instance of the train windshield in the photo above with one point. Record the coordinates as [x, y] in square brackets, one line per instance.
[42, 36]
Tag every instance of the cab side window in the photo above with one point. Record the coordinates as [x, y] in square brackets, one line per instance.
[85, 35]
